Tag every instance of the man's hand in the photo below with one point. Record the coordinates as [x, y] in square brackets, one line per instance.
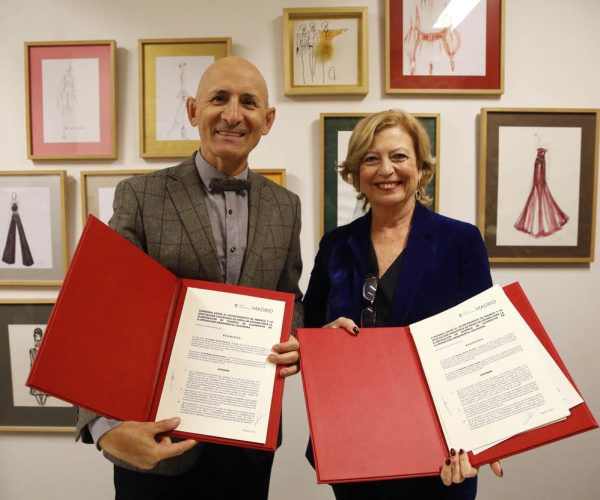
[143, 444]
[286, 354]
[457, 468]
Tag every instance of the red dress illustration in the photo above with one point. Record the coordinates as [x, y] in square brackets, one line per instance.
[541, 215]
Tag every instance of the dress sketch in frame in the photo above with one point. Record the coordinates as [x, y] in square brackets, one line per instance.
[71, 99]
[22, 323]
[538, 184]
[16, 228]
[541, 215]
[33, 246]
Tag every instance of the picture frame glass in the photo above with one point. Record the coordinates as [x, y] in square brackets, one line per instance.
[71, 100]
[170, 71]
[340, 205]
[98, 191]
[32, 228]
[22, 325]
[326, 51]
[436, 46]
[538, 194]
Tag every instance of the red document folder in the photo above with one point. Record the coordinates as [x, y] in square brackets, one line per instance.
[108, 340]
[370, 412]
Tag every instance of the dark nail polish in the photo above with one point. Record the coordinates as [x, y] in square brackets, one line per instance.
[461, 451]
[355, 330]
[501, 472]
[452, 451]
[448, 461]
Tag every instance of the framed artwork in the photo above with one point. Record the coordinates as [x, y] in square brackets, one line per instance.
[71, 102]
[33, 234]
[339, 204]
[98, 190]
[325, 51]
[277, 175]
[538, 184]
[436, 46]
[22, 325]
[169, 72]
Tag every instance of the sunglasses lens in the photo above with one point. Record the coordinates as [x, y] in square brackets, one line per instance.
[367, 317]
[370, 288]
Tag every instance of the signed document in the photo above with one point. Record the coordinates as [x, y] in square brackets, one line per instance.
[489, 376]
[483, 376]
[219, 381]
[112, 354]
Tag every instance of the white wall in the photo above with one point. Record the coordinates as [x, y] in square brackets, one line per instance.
[551, 60]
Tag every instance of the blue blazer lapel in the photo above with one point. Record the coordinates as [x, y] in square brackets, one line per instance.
[350, 301]
[416, 258]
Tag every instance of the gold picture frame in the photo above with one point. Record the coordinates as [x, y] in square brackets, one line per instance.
[277, 175]
[538, 177]
[312, 39]
[22, 322]
[164, 128]
[71, 103]
[97, 187]
[33, 228]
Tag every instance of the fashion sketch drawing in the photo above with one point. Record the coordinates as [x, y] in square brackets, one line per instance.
[40, 397]
[16, 227]
[315, 50]
[541, 215]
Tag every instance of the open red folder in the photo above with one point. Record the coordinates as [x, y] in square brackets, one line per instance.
[370, 411]
[108, 340]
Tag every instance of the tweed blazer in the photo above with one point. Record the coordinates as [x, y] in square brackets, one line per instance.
[164, 213]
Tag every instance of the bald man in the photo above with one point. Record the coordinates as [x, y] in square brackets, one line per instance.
[196, 229]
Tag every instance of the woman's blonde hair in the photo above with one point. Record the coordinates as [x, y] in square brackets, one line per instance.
[362, 138]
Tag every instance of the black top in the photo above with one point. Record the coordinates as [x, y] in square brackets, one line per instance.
[384, 297]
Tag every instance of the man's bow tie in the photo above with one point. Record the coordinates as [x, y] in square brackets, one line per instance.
[218, 185]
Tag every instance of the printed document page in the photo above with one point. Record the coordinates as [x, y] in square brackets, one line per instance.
[485, 372]
[219, 380]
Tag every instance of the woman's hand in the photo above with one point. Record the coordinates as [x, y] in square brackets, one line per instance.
[457, 468]
[345, 323]
[286, 355]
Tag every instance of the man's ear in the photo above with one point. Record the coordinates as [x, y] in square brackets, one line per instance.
[190, 106]
[269, 119]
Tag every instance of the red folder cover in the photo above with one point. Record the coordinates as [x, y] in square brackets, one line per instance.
[108, 340]
[370, 412]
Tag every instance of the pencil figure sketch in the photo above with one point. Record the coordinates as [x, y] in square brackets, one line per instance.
[71, 100]
[319, 52]
[16, 227]
[67, 102]
[176, 78]
[178, 130]
[39, 396]
[541, 216]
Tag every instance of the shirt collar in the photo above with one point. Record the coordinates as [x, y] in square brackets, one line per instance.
[207, 171]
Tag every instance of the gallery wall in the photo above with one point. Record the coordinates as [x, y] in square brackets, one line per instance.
[551, 52]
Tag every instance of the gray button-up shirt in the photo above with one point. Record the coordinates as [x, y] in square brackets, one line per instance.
[228, 214]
